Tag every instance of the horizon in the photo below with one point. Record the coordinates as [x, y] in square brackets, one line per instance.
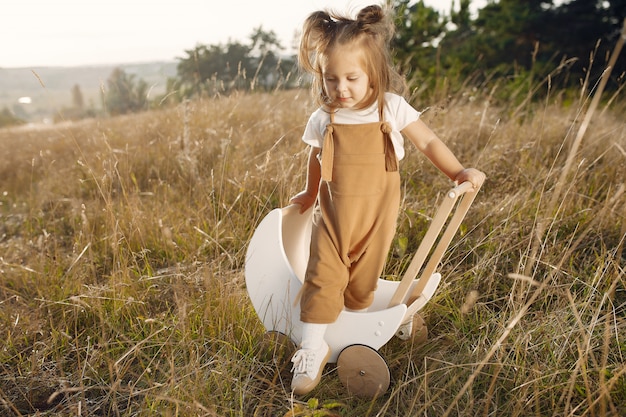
[94, 65]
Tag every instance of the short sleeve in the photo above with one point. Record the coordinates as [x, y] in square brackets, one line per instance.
[314, 131]
[401, 111]
[400, 114]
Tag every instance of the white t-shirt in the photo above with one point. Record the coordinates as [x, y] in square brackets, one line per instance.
[397, 112]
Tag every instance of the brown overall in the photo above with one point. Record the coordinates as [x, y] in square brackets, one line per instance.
[354, 221]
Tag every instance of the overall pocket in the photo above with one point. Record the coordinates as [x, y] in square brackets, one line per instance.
[358, 175]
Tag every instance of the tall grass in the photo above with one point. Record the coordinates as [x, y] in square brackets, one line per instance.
[122, 248]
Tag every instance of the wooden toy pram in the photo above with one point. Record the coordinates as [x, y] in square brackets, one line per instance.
[276, 261]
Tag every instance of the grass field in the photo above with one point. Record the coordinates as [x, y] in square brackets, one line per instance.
[122, 251]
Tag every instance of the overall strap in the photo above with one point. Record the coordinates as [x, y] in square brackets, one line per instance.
[328, 150]
[391, 161]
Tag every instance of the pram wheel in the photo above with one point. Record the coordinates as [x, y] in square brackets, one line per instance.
[275, 350]
[363, 371]
[277, 346]
[415, 329]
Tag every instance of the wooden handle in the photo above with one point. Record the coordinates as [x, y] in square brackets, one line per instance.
[433, 232]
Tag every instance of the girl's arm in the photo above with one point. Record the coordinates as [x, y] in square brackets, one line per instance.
[440, 155]
[307, 197]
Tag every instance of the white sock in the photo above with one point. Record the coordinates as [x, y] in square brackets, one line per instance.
[313, 335]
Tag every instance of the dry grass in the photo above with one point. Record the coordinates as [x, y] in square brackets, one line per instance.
[122, 247]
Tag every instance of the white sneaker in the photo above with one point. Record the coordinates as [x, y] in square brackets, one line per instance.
[307, 368]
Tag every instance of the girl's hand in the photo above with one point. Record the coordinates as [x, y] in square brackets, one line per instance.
[472, 175]
[304, 200]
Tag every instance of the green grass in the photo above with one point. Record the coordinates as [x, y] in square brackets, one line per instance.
[122, 250]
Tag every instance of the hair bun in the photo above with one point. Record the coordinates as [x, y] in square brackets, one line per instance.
[370, 15]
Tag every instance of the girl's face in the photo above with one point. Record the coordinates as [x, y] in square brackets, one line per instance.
[345, 81]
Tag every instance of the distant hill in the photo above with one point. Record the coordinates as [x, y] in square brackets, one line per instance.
[49, 88]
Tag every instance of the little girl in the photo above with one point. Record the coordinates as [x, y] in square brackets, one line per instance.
[356, 142]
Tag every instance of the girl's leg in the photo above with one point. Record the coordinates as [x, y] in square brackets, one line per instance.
[366, 270]
[326, 278]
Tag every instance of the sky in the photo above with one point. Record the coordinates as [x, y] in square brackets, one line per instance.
[36, 33]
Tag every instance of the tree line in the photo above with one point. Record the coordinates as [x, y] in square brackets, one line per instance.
[511, 42]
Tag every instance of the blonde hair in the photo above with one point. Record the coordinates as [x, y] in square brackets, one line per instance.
[372, 31]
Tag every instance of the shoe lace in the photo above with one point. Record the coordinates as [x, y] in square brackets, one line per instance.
[303, 361]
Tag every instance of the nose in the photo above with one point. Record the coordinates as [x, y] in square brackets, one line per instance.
[341, 86]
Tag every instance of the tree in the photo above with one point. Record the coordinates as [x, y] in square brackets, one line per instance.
[213, 69]
[265, 52]
[218, 69]
[503, 36]
[579, 28]
[124, 94]
[419, 29]
[7, 118]
[77, 111]
[78, 102]
[535, 35]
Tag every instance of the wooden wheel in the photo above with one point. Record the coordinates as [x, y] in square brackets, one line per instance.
[363, 371]
[415, 329]
[276, 347]
[275, 350]
[420, 330]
